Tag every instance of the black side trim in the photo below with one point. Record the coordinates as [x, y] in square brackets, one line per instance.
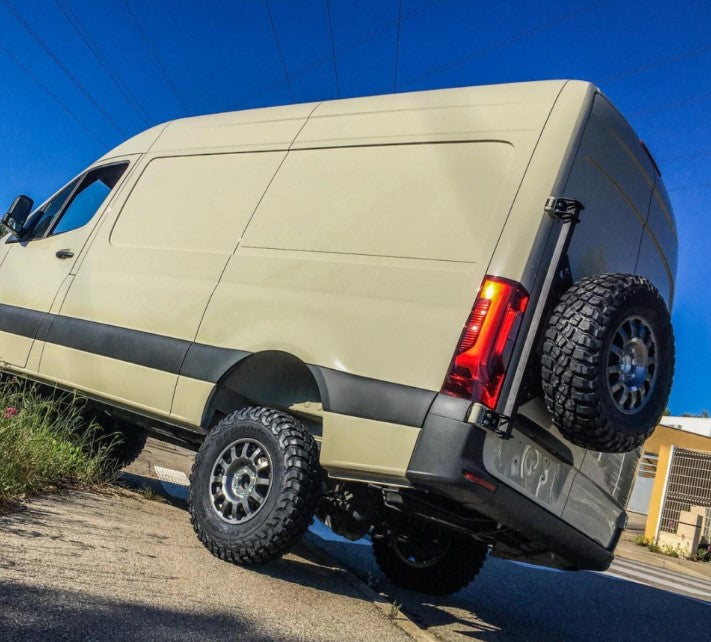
[357, 396]
[341, 392]
[135, 346]
[20, 321]
[209, 363]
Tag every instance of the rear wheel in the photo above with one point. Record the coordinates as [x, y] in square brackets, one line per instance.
[120, 442]
[130, 440]
[254, 486]
[608, 362]
[433, 563]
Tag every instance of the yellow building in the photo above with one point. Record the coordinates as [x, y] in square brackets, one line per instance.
[674, 433]
[682, 432]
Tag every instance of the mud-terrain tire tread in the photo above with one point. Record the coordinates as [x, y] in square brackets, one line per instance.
[297, 498]
[574, 362]
[133, 441]
[117, 453]
[456, 570]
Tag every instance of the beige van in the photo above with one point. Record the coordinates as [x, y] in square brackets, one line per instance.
[440, 319]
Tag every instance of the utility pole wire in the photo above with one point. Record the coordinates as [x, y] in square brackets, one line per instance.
[351, 45]
[397, 45]
[12, 57]
[517, 37]
[688, 187]
[156, 57]
[333, 49]
[671, 159]
[281, 53]
[684, 55]
[74, 21]
[673, 105]
[62, 66]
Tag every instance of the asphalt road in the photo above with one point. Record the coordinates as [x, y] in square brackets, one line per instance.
[511, 601]
[116, 566]
[120, 567]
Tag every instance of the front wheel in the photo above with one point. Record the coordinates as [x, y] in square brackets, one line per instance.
[254, 486]
[436, 564]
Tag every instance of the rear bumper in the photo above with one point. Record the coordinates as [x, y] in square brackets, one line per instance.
[448, 446]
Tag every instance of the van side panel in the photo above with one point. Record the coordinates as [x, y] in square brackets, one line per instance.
[376, 252]
[149, 275]
[437, 202]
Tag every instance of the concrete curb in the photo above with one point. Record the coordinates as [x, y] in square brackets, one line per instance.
[400, 619]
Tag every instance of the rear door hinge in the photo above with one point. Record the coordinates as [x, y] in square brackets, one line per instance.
[488, 419]
[565, 209]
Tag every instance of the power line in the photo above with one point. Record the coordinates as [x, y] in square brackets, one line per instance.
[521, 35]
[688, 187]
[62, 66]
[74, 21]
[684, 55]
[397, 45]
[346, 48]
[333, 49]
[156, 57]
[673, 105]
[671, 159]
[12, 57]
[281, 53]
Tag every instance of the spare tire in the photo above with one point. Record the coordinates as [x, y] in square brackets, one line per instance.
[608, 362]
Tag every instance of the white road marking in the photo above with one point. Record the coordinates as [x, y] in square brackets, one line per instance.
[626, 566]
[659, 578]
[172, 476]
[174, 482]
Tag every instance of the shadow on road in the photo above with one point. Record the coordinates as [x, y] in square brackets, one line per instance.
[141, 482]
[32, 613]
[510, 601]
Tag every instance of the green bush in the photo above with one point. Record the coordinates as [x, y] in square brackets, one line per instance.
[664, 549]
[45, 442]
[641, 540]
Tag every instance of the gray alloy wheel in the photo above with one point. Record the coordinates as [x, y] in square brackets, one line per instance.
[240, 481]
[631, 364]
[254, 486]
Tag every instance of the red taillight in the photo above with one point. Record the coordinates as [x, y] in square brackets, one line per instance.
[484, 349]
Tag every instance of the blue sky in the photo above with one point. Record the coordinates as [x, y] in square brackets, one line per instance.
[109, 69]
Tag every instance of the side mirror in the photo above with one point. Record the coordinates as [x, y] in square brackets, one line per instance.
[17, 214]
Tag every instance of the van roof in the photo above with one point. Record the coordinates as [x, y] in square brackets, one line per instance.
[504, 107]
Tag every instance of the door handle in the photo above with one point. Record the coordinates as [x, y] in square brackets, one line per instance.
[64, 254]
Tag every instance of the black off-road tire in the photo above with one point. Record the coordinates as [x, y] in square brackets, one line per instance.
[576, 367]
[122, 441]
[450, 573]
[290, 503]
[130, 445]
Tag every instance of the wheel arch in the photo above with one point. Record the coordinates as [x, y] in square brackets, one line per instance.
[271, 378]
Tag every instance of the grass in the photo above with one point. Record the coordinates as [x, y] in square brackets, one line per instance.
[148, 493]
[663, 549]
[45, 443]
